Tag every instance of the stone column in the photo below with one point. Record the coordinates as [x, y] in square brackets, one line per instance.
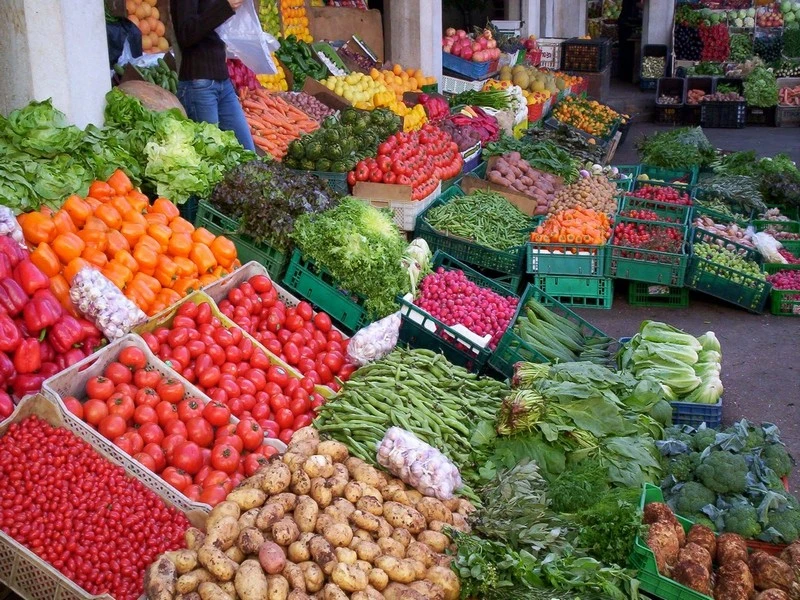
[657, 22]
[563, 18]
[54, 49]
[414, 35]
[532, 16]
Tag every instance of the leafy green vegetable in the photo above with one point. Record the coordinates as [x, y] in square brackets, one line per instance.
[362, 249]
[610, 525]
[676, 149]
[761, 88]
[567, 138]
[266, 199]
[544, 156]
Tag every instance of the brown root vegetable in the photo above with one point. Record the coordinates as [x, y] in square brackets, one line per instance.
[693, 575]
[305, 513]
[731, 547]
[294, 575]
[338, 534]
[378, 578]
[300, 483]
[250, 582]
[277, 478]
[223, 533]
[249, 540]
[791, 555]
[247, 498]
[346, 556]
[194, 538]
[734, 582]
[770, 572]
[370, 504]
[189, 582]
[436, 541]
[696, 553]
[212, 591]
[270, 514]
[184, 560]
[406, 517]
[657, 511]
[428, 589]
[160, 579]
[403, 536]
[392, 547]
[277, 587]
[285, 531]
[663, 542]
[773, 594]
[445, 578]
[349, 577]
[313, 575]
[220, 511]
[703, 536]
[271, 557]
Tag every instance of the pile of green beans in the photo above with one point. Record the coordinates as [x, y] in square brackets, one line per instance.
[421, 392]
[483, 217]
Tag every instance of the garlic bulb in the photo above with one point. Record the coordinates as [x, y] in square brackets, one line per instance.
[103, 303]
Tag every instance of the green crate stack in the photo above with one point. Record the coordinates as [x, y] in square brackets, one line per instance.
[581, 292]
[644, 561]
[792, 246]
[701, 195]
[671, 176]
[480, 170]
[512, 348]
[560, 259]
[629, 174]
[457, 348]
[247, 250]
[316, 285]
[783, 302]
[718, 280]
[679, 214]
[789, 227]
[506, 265]
[657, 296]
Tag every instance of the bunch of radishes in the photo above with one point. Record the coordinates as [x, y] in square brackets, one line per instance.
[788, 279]
[481, 49]
[453, 299]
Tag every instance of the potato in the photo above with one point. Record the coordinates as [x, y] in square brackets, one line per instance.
[451, 504]
[444, 560]
[298, 551]
[363, 534]
[160, 579]
[248, 519]
[184, 560]
[419, 568]
[250, 581]
[296, 594]
[438, 542]
[277, 587]
[306, 434]
[235, 554]
[378, 578]
[403, 536]
[433, 510]
[384, 529]
[313, 575]
[320, 492]
[352, 491]
[321, 551]
[189, 582]
[220, 511]
[194, 538]
[294, 460]
[212, 591]
[294, 575]
[338, 534]
[414, 496]
[369, 490]
[333, 592]
[436, 526]
[335, 450]
[285, 500]
[460, 523]
[364, 520]
[361, 471]
[219, 565]
[397, 591]
[271, 557]
[301, 482]
[370, 504]
[277, 478]
[318, 465]
[465, 507]
[368, 551]
[446, 579]
[338, 480]
[346, 556]
[189, 596]
[323, 521]
[228, 588]
[269, 515]
[391, 566]
[340, 509]
[305, 513]
[249, 540]
[406, 517]
[428, 589]
[247, 498]
[364, 566]
[306, 448]
[285, 531]
[392, 486]
[392, 547]
[422, 553]
[223, 533]
[349, 577]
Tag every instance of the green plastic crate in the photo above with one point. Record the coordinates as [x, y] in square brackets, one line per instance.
[717, 280]
[480, 170]
[700, 195]
[316, 285]
[657, 296]
[582, 292]
[247, 250]
[792, 246]
[644, 561]
[784, 226]
[784, 303]
[562, 259]
[501, 264]
[679, 214]
[512, 348]
[629, 174]
[673, 176]
[457, 348]
[336, 181]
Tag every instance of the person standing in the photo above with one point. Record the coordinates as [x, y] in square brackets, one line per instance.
[204, 87]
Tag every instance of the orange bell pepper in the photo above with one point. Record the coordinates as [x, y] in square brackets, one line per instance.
[146, 257]
[109, 215]
[60, 288]
[161, 234]
[165, 207]
[64, 222]
[224, 251]
[116, 242]
[75, 265]
[94, 257]
[78, 209]
[93, 203]
[186, 285]
[180, 244]
[166, 271]
[146, 240]
[37, 227]
[202, 256]
[47, 260]
[68, 246]
[117, 274]
[181, 225]
[153, 217]
[168, 296]
[126, 259]
[138, 200]
[120, 183]
[95, 223]
[202, 235]
[121, 204]
[186, 268]
[132, 232]
[94, 238]
[207, 279]
[138, 293]
[134, 217]
[100, 190]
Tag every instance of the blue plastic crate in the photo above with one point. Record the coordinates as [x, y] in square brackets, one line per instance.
[468, 68]
[693, 413]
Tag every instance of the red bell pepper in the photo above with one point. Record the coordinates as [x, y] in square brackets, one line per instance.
[48, 369]
[12, 249]
[24, 385]
[12, 297]
[6, 270]
[10, 336]
[89, 330]
[47, 352]
[73, 356]
[92, 344]
[65, 334]
[6, 405]
[7, 371]
[28, 357]
[41, 312]
[30, 277]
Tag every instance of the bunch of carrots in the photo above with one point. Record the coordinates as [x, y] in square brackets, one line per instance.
[582, 226]
[274, 122]
[149, 251]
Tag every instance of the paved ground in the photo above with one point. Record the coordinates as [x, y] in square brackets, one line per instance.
[761, 353]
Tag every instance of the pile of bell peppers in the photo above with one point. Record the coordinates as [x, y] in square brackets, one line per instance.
[38, 337]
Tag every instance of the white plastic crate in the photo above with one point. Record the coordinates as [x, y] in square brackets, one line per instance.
[406, 211]
[454, 85]
[509, 27]
[551, 52]
[22, 570]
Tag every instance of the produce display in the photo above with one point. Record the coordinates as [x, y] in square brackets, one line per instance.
[276, 82]
[436, 107]
[680, 148]
[785, 280]
[147, 250]
[569, 139]
[512, 171]
[113, 515]
[789, 96]
[297, 56]
[545, 156]
[273, 122]
[361, 90]
[144, 14]
[646, 230]
[716, 42]
[769, 47]
[723, 97]
[731, 231]
[308, 104]
[160, 74]
[268, 16]
[535, 81]
[242, 77]
[582, 226]
[741, 47]
[667, 99]
[294, 20]
[361, 61]
[587, 115]
[473, 119]
[486, 218]
[481, 48]
[731, 260]
[594, 192]
[695, 96]
[255, 307]
[399, 80]
[667, 195]
[653, 67]
[761, 88]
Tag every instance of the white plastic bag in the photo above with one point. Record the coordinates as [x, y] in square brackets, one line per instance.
[247, 41]
[374, 341]
[768, 247]
[419, 465]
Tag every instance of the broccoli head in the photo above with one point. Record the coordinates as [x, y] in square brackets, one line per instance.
[777, 458]
[755, 438]
[742, 519]
[682, 467]
[675, 433]
[785, 522]
[702, 519]
[773, 482]
[703, 439]
[692, 497]
[723, 472]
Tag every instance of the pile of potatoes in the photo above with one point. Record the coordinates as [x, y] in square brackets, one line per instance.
[595, 192]
[316, 524]
[511, 170]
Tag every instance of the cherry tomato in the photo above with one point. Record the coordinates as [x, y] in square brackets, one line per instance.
[300, 405]
[277, 402]
[301, 421]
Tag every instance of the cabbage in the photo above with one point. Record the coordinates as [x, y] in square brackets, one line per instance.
[708, 392]
[709, 341]
[653, 331]
[680, 380]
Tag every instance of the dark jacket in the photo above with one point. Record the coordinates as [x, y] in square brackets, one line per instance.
[202, 50]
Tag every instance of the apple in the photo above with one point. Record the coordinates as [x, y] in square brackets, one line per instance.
[476, 47]
[450, 32]
[461, 33]
[467, 54]
[491, 44]
[483, 42]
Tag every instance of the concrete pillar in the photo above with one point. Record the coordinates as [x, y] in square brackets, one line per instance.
[657, 22]
[414, 35]
[564, 18]
[532, 16]
[513, 10]
[54, 49]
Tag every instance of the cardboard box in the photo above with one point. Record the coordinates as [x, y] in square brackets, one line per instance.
[396, 198]
[357, 46]
[312, 87]
[339, 23]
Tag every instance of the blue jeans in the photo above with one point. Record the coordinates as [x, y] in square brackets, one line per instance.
[215, 102]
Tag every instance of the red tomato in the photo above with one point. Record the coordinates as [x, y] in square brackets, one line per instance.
[304, 310]
[251, 433]
[300, 405]
[120, 404]
[166, 412]
[277, 402]
[334, 361]
[231, 440]
[100, 388]
[112, 426]
[284, 418]
[215, 494]
[193, 492]
[260, 411]
[118, 373]
[170, 390]
[217, 414]
[322, 322]
[186, 455]
[124, 444]
[144, 378]
[190, 408]
[151, 432]
[177, 478]
[270, 428]
[181, 357]
[291, 353]
[286, 435]
[136, 441]
[74, 406]
[225, 458]
[215, 477]
[253, 462]
[95, 411]
[158, 455]
[132, 357]
[301, 421]
[175, 426]
[199, 431]
[209, 377]
[146, 397]
[146, 460]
